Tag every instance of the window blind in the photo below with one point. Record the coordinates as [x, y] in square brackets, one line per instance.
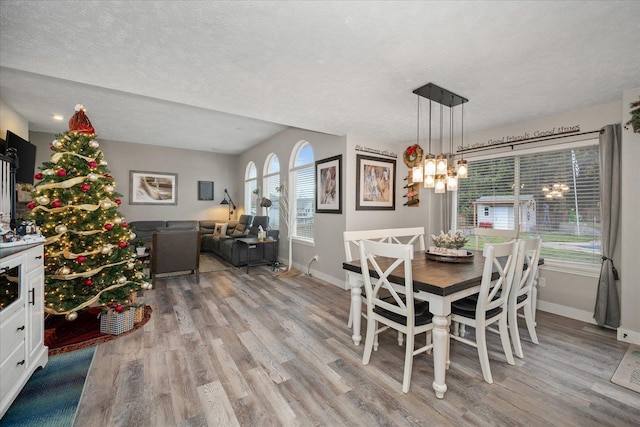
[554, 194]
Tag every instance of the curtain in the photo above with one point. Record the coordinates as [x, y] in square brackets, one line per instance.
[607, 309]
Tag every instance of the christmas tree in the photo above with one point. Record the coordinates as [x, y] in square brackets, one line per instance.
[88, 259]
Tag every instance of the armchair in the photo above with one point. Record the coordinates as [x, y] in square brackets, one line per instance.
[175, 250]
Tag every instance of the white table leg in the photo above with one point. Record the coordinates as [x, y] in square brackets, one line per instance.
[356, 311]
[441, 310]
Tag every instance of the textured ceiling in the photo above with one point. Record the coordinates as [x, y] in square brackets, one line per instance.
[224, 76]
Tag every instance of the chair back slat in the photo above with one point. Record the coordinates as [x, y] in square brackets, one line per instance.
[495, 293]
[388, 235]
[370, 253]
[529, 255]
[490, 235]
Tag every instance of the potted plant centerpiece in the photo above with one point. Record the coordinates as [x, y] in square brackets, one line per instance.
[449, 243]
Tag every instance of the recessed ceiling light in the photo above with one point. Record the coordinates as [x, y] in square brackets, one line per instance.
[58, 117]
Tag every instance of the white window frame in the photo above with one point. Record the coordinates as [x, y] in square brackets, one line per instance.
[250, 183]
[267, 176]
[292, 190]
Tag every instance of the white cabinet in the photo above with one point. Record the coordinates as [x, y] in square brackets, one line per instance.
[22, 348]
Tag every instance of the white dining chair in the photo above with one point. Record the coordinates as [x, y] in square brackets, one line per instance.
[489, 306]
[352, 239]
[400, 311]
[492, 235]
[522, 295]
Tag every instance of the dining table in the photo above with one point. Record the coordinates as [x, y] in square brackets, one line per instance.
[440, 283]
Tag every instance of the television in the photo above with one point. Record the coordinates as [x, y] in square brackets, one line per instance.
[26, 157]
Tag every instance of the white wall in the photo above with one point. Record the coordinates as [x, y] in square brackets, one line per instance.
[10, 120]
[628, 265]
[191, 167]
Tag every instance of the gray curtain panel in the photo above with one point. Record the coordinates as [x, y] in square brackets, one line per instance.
[607, 309]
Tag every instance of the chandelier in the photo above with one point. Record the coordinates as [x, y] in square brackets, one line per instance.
[438, 171]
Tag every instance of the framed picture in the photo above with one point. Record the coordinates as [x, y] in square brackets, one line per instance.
[153, 188]
[375, 183]
[205, 190]
[328, 185]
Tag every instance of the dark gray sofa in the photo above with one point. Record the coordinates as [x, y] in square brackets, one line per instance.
[225, 246]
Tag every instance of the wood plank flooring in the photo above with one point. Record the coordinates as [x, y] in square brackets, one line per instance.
[254, 350]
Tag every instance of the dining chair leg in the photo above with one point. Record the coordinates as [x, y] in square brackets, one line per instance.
[400, 338]
[515, 333]
[408, 362]
[531, 323]
[428, 341]
[350, 321]
[504, 337]
[483, 355]
[369, 340]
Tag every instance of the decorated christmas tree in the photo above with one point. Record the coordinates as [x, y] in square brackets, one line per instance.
[88, 259]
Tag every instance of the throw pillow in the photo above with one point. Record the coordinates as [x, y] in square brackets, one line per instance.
[220, 229]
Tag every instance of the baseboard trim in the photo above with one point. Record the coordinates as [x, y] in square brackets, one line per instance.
[626, 335]
[571, 313]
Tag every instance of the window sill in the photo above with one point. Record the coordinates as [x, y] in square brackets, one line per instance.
[586, 270]
[303, 241]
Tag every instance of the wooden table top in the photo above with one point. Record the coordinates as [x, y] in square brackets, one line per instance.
[435, 277]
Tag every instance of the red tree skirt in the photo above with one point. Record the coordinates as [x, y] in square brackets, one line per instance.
[62, 336]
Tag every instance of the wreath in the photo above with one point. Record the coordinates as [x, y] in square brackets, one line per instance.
[413, 155]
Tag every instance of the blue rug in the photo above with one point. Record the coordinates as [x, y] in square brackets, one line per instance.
[51, 396]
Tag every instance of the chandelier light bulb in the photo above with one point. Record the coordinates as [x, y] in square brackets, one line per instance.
[441, 164]
[440, 185]
[463, 168]
[417, 175]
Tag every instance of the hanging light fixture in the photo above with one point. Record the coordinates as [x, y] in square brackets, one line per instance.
[417, 171]
[437, 171]
[429, 160]
[463, 167]
[452, 175]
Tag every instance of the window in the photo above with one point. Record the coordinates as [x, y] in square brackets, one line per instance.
[271, 181]
[557, 195]
[302, 175]
[250, 186]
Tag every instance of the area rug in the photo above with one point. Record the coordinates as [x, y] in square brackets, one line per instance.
[628, 373]
[52, 394]
[62, 336]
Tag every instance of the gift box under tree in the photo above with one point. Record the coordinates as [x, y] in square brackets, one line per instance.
[114, 323]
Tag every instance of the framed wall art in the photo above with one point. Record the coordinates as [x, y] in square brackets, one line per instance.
[153, 188]
[205, 190]
[329, 185]
[375, 183]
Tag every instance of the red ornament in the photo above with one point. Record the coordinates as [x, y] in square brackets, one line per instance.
[31, 206]
[123, 224]
[92, 164]
[88, 282]
[85, 187]
[119, 308]
[108, 226]
[81, 259]
[38, 176]
[106, 175]
[123, 244]
[56, 204]
[118, 201]
[61, 172]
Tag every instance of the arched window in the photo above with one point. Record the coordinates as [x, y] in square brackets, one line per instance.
[302, 190]
[250, 186]
[271, 181]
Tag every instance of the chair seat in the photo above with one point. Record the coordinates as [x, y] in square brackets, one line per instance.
[466, 307]
[423, 316]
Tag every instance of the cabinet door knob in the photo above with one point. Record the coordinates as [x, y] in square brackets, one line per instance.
[21, 328]
[21, 363]
[39, 257]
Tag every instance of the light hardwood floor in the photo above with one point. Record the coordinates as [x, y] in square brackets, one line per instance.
[253, 350]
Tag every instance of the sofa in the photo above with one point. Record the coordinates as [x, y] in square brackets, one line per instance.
[221, 242]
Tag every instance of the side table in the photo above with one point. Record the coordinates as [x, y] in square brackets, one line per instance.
[255, 252]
